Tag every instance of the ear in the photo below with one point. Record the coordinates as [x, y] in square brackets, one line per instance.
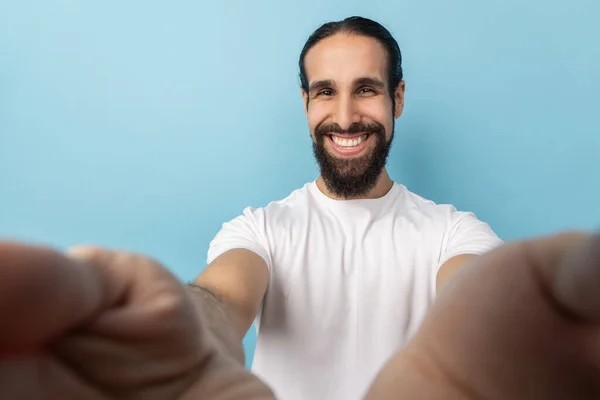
[399, 97]
[305, 99]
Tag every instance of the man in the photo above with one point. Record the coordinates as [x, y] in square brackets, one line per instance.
[344, 272]
[521, 322]
[341, 273]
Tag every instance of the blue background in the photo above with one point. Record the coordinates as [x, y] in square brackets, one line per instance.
[145, 125]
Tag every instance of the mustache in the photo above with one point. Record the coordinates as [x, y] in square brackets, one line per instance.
[355, 127]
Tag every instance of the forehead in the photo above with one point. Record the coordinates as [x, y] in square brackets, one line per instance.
[344, 58]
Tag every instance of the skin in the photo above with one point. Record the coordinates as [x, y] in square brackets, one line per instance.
[522, 322]
[106, 325]
[239, 278]
[335, 67]
[450, 268]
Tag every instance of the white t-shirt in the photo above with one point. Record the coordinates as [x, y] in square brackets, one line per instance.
[350, 282]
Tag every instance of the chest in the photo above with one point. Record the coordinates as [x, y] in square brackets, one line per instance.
[334, 257]
[352, 280]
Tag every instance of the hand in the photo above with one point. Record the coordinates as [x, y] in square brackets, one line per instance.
[106, 325]
[522, 322]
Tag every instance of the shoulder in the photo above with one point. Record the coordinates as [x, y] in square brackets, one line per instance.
[290, 207]
[253, 229]
[420, 205]
[276, 211]
[461, 232]
[445, 218]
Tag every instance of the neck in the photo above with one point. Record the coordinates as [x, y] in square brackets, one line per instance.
[383, 185]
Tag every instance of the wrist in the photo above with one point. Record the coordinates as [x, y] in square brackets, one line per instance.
[229, 349]
[216, 318]
[224, 378]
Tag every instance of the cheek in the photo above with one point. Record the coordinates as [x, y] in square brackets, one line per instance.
[315, 115]
[389, 127]
[382, 115]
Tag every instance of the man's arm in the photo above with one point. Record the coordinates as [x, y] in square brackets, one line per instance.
[466, 238]
[451, 267]
[229, 293]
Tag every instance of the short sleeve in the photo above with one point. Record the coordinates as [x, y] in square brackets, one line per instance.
[243, 232]
[467, 235]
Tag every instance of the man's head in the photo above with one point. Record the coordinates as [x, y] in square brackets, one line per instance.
[351, 78]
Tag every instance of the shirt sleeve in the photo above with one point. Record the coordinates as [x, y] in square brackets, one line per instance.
[467, 235]
[243, 232]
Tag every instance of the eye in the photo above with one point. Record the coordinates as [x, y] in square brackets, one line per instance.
[366, 90]
[325, 92]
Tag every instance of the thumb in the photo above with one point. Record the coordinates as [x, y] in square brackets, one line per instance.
[44, 294]
[575, 283]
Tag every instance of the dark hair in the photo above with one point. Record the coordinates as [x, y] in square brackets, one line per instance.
[364, 27]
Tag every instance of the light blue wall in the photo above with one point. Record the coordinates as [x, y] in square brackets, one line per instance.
[144, 125]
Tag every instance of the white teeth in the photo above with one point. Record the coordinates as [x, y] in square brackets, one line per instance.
[348, 142]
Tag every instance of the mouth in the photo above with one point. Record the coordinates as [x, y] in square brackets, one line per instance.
[349, 145]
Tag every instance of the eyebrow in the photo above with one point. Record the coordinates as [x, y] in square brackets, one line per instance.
[320, 85]
[367, 81]
[328, 83]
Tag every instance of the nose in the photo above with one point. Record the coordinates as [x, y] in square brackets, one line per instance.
[345, 113]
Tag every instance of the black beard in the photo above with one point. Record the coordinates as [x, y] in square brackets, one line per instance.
[355, 177]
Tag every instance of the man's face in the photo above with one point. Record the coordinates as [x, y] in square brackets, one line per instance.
[349, 111]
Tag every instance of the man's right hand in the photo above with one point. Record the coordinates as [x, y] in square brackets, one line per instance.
[107, 325]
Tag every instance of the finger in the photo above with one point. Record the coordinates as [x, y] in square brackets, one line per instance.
[144, 294]
[151, 324]
[575, 281]
[18, 379]
[43, 377]
[116, 364]
[116, 276]
[44, 294]
[565, 267]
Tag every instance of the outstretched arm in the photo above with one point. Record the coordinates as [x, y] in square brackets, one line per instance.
[522, 322]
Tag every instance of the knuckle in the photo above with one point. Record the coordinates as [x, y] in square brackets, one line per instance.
[168, 305]
[88, 253]
[139, 259]
[98, 255]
